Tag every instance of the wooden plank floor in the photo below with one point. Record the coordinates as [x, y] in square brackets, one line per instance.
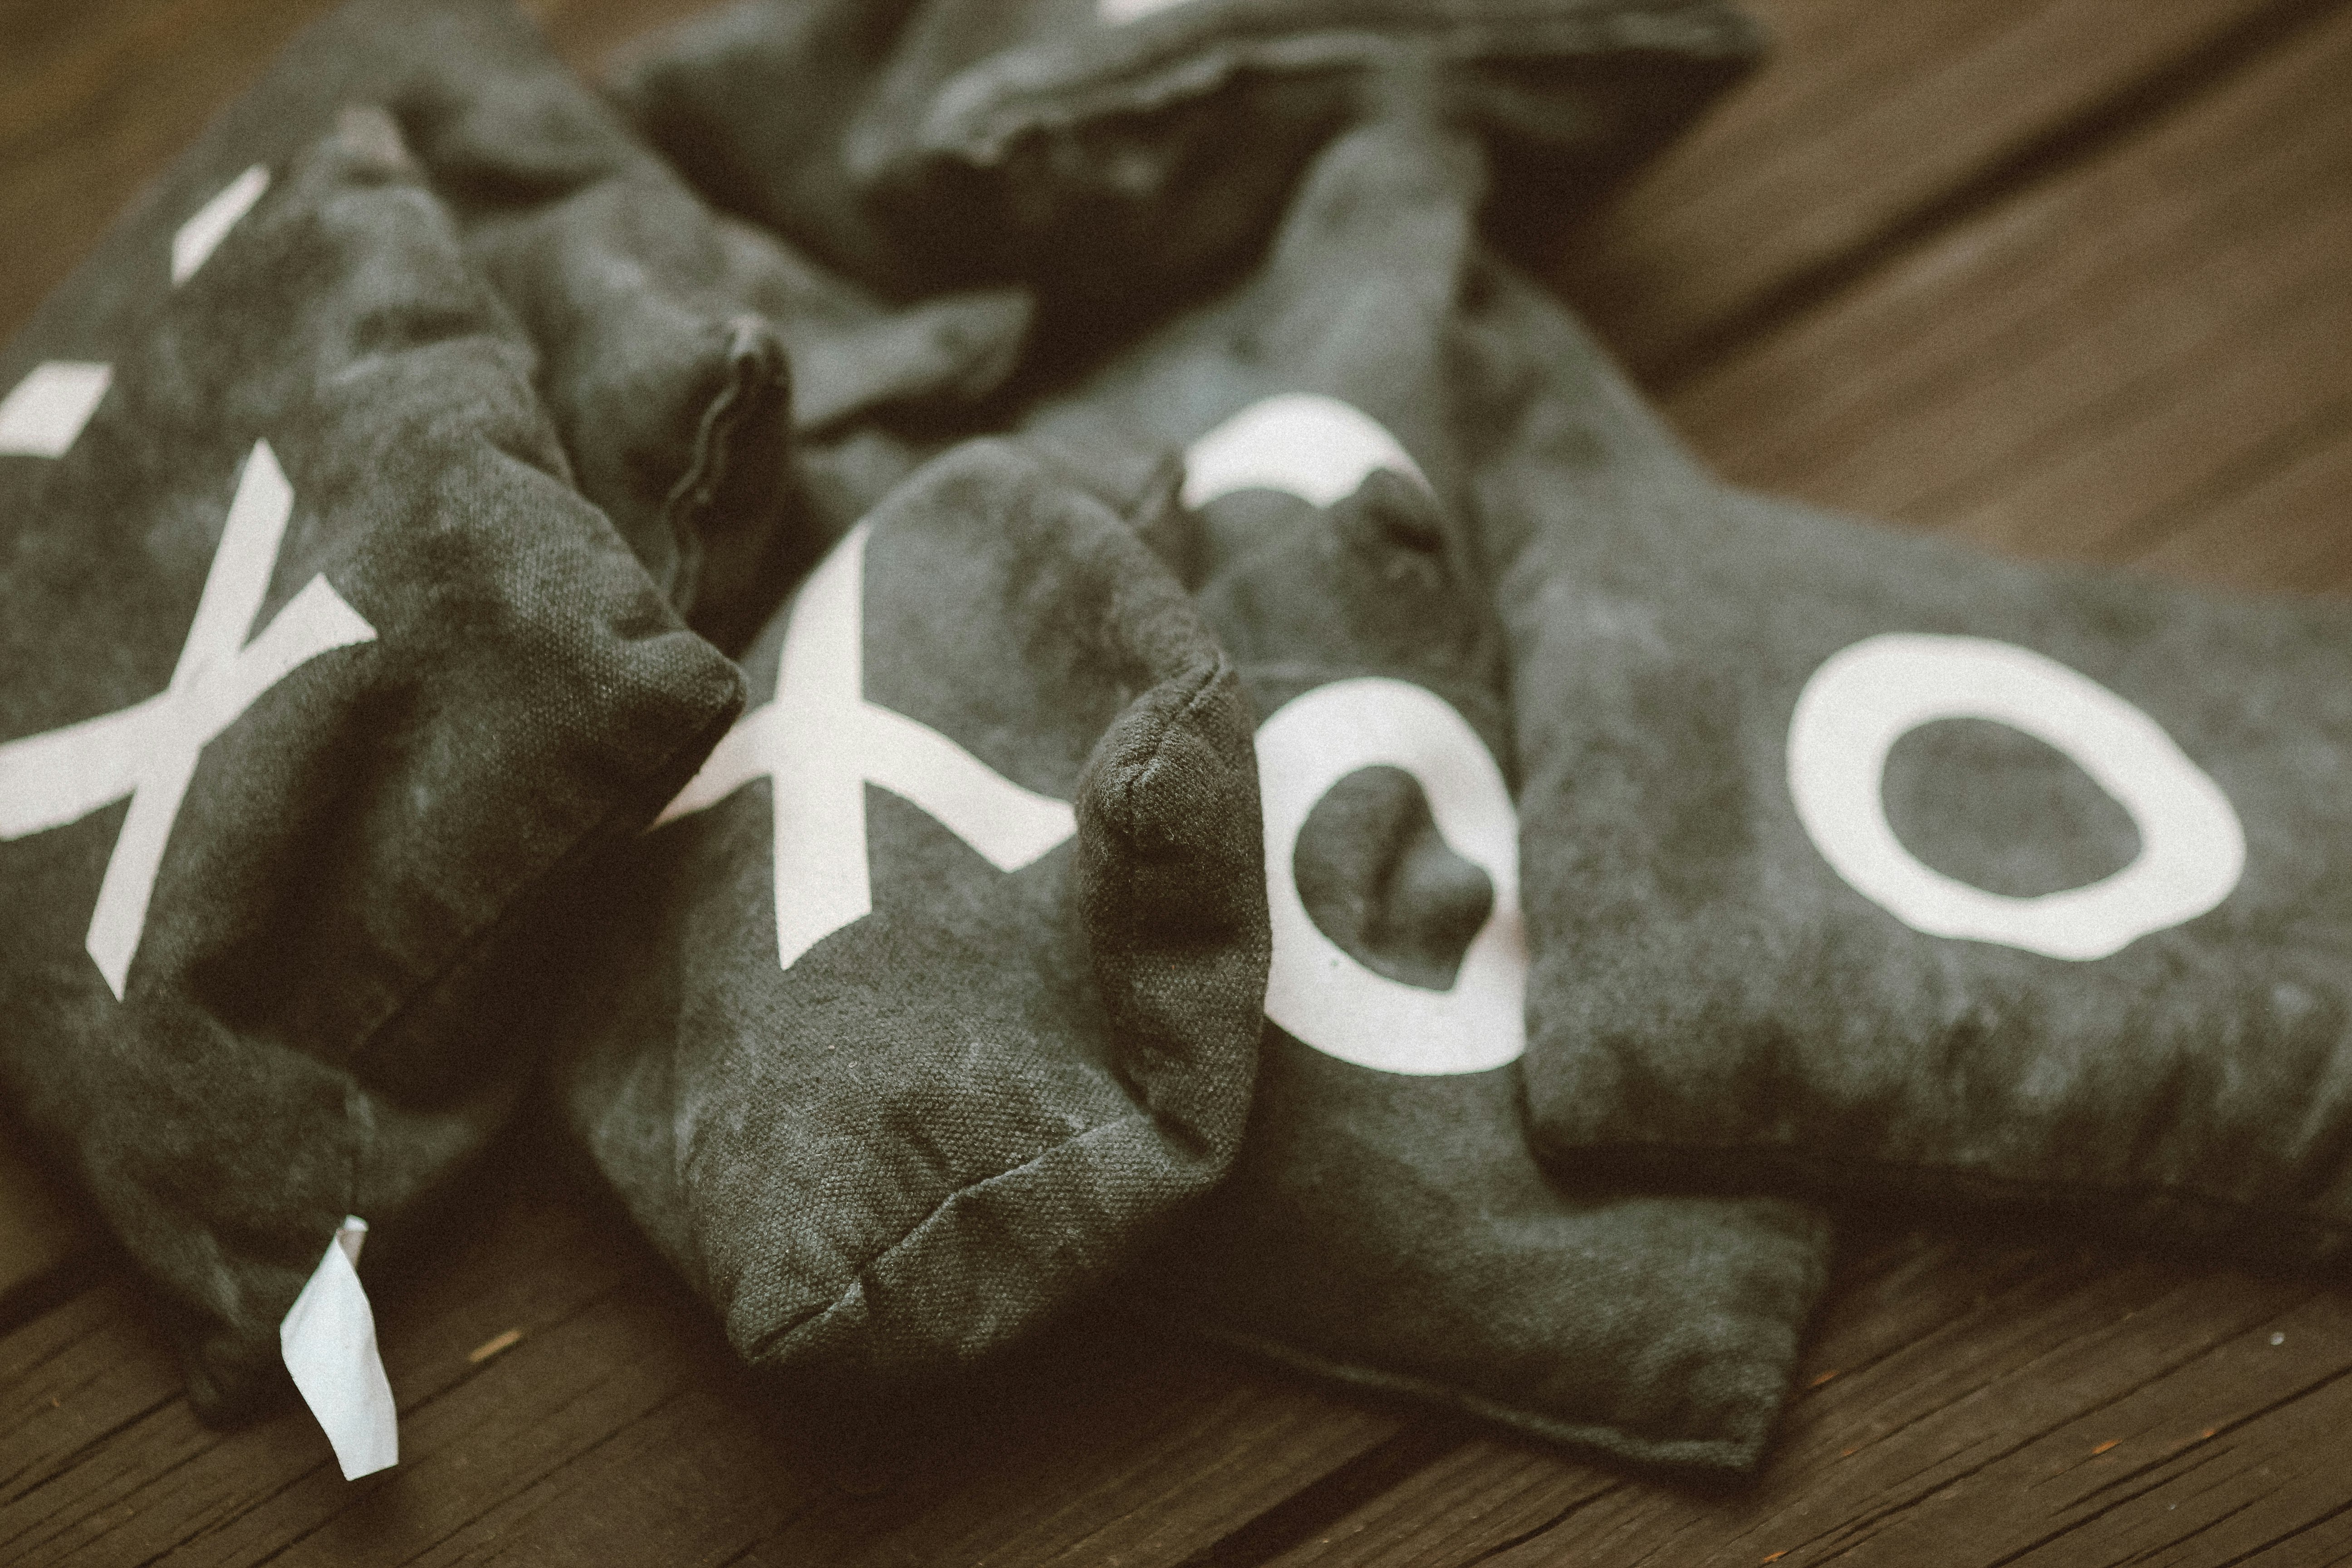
[2065, 276]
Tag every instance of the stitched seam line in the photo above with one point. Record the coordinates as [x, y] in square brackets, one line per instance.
[753, 361]
[914, 1232]
[1201, 686]
[1617, 1440]
[1156, 82]
[589, 839]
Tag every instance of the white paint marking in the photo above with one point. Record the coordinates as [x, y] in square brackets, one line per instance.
[328, 1341]
[149, 751]
[1865, 697]
[1317, 990]
[819, 743]
[198, 237]
[44, 415]
[1318, 448]
[1321, 450]
[1118, 11]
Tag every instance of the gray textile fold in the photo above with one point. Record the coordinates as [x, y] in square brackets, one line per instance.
[936, 996]
[1388, 1225]
[1890, 869]
[1119, 156]
[317, 676]
[677, 351]
[671, 397]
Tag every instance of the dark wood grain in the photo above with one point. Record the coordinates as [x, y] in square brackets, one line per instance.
[2096, 364]
[1968, 1402]
[1875, 124]
[618, 1413]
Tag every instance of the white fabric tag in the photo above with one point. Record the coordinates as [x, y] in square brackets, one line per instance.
[329, 1341]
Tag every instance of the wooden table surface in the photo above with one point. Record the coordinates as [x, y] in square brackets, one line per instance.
[2066, 277]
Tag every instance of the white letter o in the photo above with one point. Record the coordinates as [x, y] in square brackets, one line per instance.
[1865, 697]
[1317, 991]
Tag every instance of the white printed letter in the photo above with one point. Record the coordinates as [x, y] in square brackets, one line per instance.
[327, 1340]
[819, 743]
[1320, 449]
[1317, 991]
[149, 751]
[1865, 697]
[1315, 447]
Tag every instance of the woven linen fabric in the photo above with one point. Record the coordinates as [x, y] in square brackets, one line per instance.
[1892, 869]
[678, 350]
[315, 670]
[665, 331]
[1121, 155]
[669, 395]
[1388, 1225]
[936, 994]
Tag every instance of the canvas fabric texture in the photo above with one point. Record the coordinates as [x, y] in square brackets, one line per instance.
[1119, 155]
[936, 996]
[316, 674]
[678, 352]
[1388, 1225]
[683, 352]
[669, 394]
[1892, 871]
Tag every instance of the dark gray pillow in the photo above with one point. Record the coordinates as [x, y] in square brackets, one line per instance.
[315, 671]
[663, 331]
[670, 397]
[893, 1052]
[1889, 869]
[1119, 153]
[1388, 1225]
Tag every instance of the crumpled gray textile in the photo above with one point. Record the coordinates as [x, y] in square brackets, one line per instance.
[1865, 865]
[1388, 1225]
[318, 677]
[1118, 156]
[678, 350]
[935, 996]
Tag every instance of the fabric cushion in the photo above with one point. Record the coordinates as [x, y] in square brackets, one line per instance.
[1890, 869]
[663, 331]
[671, 398]
[891, 1050]
[1388, 1225]
[314, 671]
[1121, 153]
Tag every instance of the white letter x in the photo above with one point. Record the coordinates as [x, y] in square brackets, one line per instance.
[149, 751]
[819, 743]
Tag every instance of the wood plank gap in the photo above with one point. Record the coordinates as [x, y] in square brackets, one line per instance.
[2071, 1526]
[2338, 1511]
[1867, 1526]
[1546, 1527]
[461, 1526]
[2081, 138]
[1325, 1501]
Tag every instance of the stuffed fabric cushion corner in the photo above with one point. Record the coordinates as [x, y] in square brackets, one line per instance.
[316, 673]
[1388, 1225]
[1121, 156]
[1895, 870]
[935, 996]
